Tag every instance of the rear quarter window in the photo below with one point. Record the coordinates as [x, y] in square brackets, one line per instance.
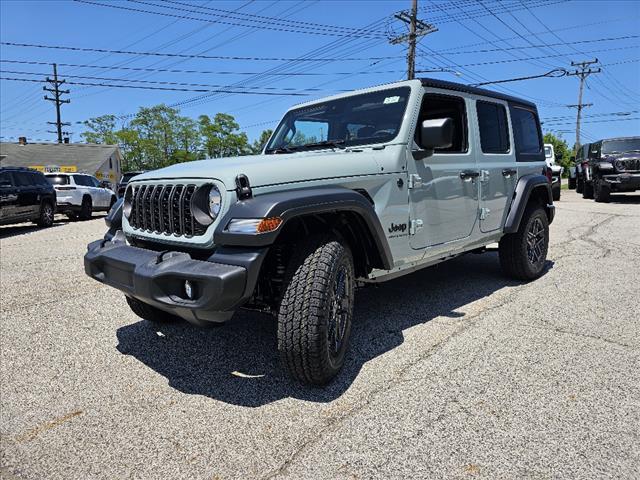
[527, 135]
[58, 179]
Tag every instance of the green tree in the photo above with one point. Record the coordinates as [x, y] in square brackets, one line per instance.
[221, 137]
[561, 150]
[101, 130]
[259, 144]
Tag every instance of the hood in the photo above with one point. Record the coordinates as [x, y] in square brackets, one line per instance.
[609, 157]
[263, 170]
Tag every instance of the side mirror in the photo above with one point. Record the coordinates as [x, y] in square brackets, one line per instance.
[436, 133]
[104, 184]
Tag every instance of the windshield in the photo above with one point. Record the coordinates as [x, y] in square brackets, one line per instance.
[127, 176]
[58, 179]
[547, 152]
[362, 119]
[621, 146]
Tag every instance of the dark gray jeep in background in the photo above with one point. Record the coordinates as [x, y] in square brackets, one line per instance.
[613, 165]
[355, 189]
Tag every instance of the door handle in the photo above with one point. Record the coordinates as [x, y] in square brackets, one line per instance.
[467, 175]
[507, 172]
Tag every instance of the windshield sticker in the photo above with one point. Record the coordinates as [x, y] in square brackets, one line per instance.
[395, 99]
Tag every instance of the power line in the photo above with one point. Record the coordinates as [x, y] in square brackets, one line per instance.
[204, 57]
[262, 26]
[160, 82]
[174, 89]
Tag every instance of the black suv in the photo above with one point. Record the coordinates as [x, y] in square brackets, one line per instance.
[26, 195]
[124, 181]
[613, 166]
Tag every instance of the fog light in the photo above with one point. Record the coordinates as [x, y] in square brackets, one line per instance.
[189, 289]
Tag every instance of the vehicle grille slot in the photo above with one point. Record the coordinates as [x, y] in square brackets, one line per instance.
[165, 209]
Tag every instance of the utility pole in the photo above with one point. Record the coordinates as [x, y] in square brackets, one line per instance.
[57, 100]
[583, 72]
[417, 28]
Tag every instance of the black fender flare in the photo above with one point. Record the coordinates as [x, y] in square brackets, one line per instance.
[297, 203]
[525, 187]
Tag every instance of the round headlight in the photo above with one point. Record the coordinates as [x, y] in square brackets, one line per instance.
[126, 206]
[215, 201]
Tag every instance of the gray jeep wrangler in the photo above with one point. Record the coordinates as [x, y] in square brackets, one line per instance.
[350, 190]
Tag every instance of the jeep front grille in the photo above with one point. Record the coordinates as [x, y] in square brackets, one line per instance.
[164, 209]
[628, 165]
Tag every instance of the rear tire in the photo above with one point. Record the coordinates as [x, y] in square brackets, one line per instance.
[86, 209]
[314, 319]
[587, 190]
[45, 219]
[147, 312]
[556, 193]
[601, 191]
[572, 183]
[523, 254]
[579, 185]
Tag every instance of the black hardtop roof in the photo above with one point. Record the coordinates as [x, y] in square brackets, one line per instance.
[459, 87]
[22, 169]
[612, 139]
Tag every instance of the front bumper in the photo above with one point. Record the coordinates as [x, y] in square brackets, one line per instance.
[623, 181]
[158, 278]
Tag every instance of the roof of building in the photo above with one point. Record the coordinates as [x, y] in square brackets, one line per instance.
[87, 157]
[435, 83]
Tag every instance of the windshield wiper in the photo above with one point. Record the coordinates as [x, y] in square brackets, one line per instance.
[281, 149]
[325, 143]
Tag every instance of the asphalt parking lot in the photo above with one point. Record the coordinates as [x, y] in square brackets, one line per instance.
[454, 372]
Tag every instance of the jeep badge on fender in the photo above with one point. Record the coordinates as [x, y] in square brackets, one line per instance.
[292, 231]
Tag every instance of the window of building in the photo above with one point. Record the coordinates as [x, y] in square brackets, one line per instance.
[493, 127]
[446, 106]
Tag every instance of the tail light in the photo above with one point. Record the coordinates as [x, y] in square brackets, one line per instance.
[65, 188]
[547, 173]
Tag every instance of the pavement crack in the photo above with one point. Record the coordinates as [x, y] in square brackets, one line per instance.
[549, 327]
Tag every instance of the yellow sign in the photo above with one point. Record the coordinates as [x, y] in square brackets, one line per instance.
[55, 168]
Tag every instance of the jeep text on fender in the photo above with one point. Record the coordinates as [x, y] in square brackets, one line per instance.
[357, 188]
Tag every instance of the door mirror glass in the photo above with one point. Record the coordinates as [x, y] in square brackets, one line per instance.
[436, 133]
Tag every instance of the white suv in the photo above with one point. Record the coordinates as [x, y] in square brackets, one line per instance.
[79, 194]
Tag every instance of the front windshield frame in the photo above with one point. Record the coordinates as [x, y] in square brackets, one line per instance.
[343, 138]
[621, 145]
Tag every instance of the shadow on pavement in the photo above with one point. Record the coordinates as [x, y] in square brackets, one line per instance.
[238, 363]
[23, 229]
[625, 199]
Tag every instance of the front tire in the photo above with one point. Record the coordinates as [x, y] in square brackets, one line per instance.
[314, 319]
[523, 254]
[572, 183]
[45, 219]
[587, 190]
[556, 193]
[601, 191]
[147, 312]
[579, 185]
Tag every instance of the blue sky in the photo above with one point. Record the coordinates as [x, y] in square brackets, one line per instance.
[475, 41]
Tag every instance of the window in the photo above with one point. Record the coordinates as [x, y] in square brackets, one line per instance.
[621, 146]
[526, 134]
[110, 163]
[493, 126]
[82, 180]
[445, 106]
[58, 179]
[23, 179]
[5, 179]
[39, 179]
[367, 118]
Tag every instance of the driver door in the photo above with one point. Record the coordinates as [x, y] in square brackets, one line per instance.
[443, 186]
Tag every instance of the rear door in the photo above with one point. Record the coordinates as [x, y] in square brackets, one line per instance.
[443, 186]
[28, 194]
[8, 198]
[496, 161]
